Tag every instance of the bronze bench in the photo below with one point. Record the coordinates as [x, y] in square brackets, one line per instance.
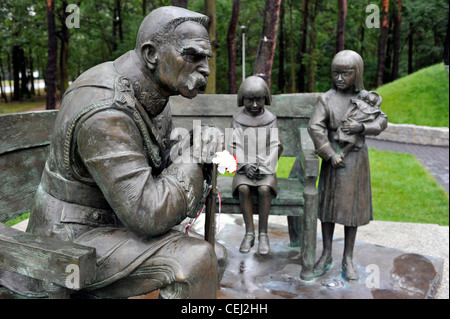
[24, 140]
[297, 194]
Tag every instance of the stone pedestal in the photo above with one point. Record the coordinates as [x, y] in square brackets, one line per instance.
[384, 273]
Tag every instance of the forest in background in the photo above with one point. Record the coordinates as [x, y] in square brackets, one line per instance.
[289, 42]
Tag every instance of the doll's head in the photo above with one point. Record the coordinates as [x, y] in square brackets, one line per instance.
[347, 71]
[373, 98]
[254, 94]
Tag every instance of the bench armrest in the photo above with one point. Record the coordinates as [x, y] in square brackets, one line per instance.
[308, 157]
[53, 261]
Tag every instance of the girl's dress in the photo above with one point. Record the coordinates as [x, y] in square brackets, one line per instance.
[255, 141]
[345, 194]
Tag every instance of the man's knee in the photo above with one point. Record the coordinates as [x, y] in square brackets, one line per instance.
[199, 257]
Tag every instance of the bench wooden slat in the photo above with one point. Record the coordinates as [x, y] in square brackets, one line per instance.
[46, 258]
[20, 175]
[224, 105]
[288, 191]
[26, 129]
[287, 130]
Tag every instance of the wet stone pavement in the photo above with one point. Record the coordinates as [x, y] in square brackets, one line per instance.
[384, 273]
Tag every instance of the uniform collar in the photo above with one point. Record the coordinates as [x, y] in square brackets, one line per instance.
[144, 88]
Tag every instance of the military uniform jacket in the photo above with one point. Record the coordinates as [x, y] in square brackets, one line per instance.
[108, 182]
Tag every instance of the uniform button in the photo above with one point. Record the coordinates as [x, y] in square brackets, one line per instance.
[96, 216]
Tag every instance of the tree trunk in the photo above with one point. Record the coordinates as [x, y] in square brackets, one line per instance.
[312, 55]
[388, 58]
[281, 54]
[30, 57]
[397, 25]
[1, 90]
[446, 45]
[23, 73]
[410, 48]
[64, 36]
[362, 32]
[16, 69]
[119, 19]
[3, 78]
[291, 44]
[180, 3]
[268, 42]
[302, 51]
[342, 17]
[210, 11]
[117, 31]
[382, 42]
[144, 8]
[231, 46]
[52, 56]
[10, 74]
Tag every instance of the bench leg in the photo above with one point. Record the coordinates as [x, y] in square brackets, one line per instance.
[295, 231]
[309, 229]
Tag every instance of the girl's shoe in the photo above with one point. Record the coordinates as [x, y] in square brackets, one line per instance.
[264, 246]
[247, 243]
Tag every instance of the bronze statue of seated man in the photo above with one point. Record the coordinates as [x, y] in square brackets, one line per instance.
[109, 181]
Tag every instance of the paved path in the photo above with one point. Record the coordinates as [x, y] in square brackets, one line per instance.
[434, 158]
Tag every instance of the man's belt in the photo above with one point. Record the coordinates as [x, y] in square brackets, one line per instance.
[72, 191]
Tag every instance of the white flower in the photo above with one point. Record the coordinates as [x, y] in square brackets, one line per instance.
[225, 161]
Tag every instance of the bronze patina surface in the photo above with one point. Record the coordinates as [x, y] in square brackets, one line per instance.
[111, 181]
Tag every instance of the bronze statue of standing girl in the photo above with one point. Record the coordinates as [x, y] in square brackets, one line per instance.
[345, 195]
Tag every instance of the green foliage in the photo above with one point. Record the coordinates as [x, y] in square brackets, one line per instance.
[96, 41]
[421, 98]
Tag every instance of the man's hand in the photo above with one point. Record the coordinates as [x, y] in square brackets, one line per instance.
[211, 142]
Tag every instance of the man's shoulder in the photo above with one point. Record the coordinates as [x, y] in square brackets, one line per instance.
[100, 76]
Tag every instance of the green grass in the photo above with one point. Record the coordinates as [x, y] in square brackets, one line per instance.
[26, 104]
[421, 98]
[16, 220]
[403, 190]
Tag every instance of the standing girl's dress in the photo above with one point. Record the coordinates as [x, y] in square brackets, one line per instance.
[345, 195]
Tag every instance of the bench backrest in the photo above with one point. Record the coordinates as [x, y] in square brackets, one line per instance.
[292, 111]
[24, 139]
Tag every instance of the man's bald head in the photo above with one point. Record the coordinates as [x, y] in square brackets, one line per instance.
[158, 26]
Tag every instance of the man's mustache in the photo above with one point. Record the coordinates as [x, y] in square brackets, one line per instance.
[197, 83]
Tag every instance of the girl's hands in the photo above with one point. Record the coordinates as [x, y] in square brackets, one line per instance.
[252, 172]
[337, 161]
[351, 126]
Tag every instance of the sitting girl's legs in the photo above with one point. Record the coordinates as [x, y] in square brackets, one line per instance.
[264, 205]
[246, 204]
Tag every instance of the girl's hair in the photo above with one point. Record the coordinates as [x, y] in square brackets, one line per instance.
[254, 86]
[354, 61]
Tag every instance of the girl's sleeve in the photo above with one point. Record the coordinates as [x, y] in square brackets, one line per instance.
[376, 126]
[318, 131]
